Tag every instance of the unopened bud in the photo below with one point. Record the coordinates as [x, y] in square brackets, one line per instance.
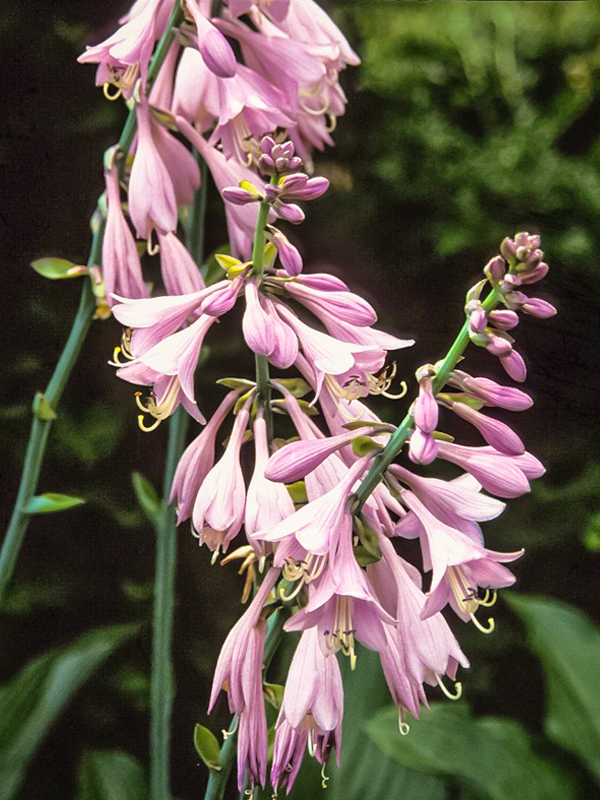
[504, 319]
[495, 270]
[508, 249]
[289, 255]
[290, 213]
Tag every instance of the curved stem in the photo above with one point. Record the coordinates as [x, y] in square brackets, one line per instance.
[40, 428]
[161, 682]
[402, 432]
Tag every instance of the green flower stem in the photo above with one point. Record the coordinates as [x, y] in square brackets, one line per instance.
[397, 440]
[40, 428]
[217, 781]
[161, 681]
[262, 365]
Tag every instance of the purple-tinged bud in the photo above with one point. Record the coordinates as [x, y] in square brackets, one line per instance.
[535, 241]
[266, 165]
[288, 255]
[315, 187]
[422, 447]
[536, 274]
[503, 319]
[294, 182]
[536, 307]
[267, 143]
[282, 164]
[523, 253]
[295, 163]
[510, 282]
[495, 270]
[499, 347]
[508, 249]
[425, 411]
[272, 192]
[496, 433]
[492, 393]
[533, 260]
[290, 213]
[238, 196]
[478, 320]
[216, 53]
[285, 150]
[514, 366]
[323, 281]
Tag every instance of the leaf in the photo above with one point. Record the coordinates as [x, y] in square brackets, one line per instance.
[50, 503]
[211, 271]
[31, 702]
[146, 495]
[490, 754]
[57, 269]
[207, 746]
[569, 646]
[42, 408]
[111, 775]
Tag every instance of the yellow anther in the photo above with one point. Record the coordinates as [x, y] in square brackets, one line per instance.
[324, 777]
[491, 624]
[106, 90]
[457, 686]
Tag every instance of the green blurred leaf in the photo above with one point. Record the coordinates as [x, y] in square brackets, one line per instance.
[111, 776]
[569, 646]
[146, 495]
[492, 755]
[31, 702]
[57, 268]
[51, 502]
[207, 746]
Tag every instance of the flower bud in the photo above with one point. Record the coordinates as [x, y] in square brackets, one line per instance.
[499, 347]
[536, 274]
[288, 254]
[536, 307]
[477, 320]
[290, 213]
[495, 270]
[422, 447]
[504, 319]
[240, 197]
[514, 366]
[508, 249]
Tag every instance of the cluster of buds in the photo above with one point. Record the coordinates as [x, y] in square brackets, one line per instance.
[519, 265]
[315, 542]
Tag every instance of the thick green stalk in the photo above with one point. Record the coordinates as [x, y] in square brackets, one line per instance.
[161, 682]
[40, 428]
[217, 781]
[262, 365]
[397, 440]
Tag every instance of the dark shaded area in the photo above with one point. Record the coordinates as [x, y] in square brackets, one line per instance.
[463, 127]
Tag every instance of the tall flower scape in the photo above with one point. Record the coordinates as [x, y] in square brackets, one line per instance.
[319, 526]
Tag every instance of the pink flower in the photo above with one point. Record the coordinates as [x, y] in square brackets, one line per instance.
[219, 508]
[267, 503]
[345, 306]
[197, 461]
[213, 46]
[240, 668]
[121, 267]
[311, 711]
[496, 433]
[180, 273]
[256, 324]
[164, 174]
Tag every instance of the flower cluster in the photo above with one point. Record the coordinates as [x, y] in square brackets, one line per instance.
[324, 515]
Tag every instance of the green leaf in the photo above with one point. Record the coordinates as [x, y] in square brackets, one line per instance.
[50, 503]
[111, 776]
[569, 646]
[492, 755]
[32, 701]
[42, 408]
[146, 495]
[207, 746]
[57, 269]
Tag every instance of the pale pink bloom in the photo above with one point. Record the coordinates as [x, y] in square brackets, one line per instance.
[496, 433]
[180, 273]
[121, 267]
[425, 411]
[267, 503]
[164, 174]
[345, 306]
[224, 299]
[498, 473]
[311, 711]
[491, 393]
[285, 349]
[161, 94]
[276, 9]
[459, 564]
[256, 323]
[197, 460]
[427, 646]
[219, 508]
[326, 354]
[126, 54]
[239, 668]
[213, 46]
[322, 281]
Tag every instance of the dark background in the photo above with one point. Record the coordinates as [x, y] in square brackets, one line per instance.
[465, 124]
